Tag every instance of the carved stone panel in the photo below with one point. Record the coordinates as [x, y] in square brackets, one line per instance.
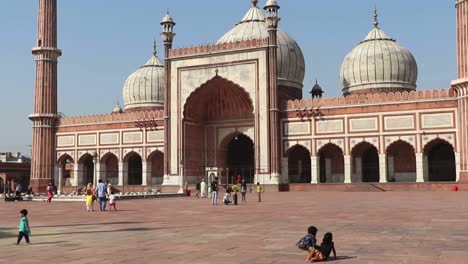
[109, 138]
[65, 141]
[133, 137]
[329, 126]
[437, 120]
[87, 140]
[399, 122]
[363, 124]
[296, 128]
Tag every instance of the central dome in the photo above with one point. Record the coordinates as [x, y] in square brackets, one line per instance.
[291, 64]
[378, 64]
[144, 89]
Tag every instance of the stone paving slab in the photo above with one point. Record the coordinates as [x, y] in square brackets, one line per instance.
[386, 227]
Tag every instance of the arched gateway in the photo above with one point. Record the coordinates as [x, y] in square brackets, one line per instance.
[216, 115]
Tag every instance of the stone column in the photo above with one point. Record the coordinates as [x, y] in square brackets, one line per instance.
[97, 171]
[358, 170]
[347, 168]
[284, 170]
[77, 175]
[419, 167]
[425, 168]
[314, 169]
[60, 178]
[144, 169]
[328, 173]
[383, 168]
[121, 174]
[391, 167]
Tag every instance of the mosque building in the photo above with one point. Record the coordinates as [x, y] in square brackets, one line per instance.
[235, 107]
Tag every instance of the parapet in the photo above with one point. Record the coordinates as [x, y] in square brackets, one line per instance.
[112, 118]
[218, 47]
[350, 100]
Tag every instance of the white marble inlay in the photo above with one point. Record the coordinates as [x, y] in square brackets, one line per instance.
[87, 140]
[363, 124]
[399, 122]
[65, 141]
[133, 137]
[437, 120]
[329, 126]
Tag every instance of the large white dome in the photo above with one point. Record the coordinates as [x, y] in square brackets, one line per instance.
[378, 64]
[145, 87]
[291, 64]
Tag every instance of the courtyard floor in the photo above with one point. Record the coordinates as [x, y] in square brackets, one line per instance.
[373, 227]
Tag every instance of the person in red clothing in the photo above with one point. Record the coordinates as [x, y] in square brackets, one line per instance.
[239, 179]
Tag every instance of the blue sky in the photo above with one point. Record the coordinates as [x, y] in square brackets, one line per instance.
[104, 41]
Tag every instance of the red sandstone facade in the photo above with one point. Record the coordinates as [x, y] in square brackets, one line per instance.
[225, 113]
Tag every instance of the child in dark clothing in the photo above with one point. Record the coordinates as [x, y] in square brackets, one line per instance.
[325, 249]
[309, 242]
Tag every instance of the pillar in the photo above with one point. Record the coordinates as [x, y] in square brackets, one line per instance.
[284, 170]
[347, 168]
[97, 171]
[420, 167]
[77, 175]
[383, 168]
[121, 173]
[425, 168]
[358, 176]
[391, 167]
[314, 169]
[144, 170]
[328, 171]
[60, 178]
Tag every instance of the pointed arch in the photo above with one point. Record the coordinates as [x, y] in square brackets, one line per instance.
[365, 162]
[218, 98]
[439, 160]
[331, 163]
[299, 170]
[401, 161]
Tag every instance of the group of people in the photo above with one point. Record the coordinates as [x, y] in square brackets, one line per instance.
[316, 252]
[101, 193]
[213, 190]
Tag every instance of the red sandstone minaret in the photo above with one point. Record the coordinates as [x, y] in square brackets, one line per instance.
[272, 20]
[45, 96]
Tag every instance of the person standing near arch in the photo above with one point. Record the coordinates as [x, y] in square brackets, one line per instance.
[214, 191]
[203, 188]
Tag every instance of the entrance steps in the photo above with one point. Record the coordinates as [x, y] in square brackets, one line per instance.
[375, 187]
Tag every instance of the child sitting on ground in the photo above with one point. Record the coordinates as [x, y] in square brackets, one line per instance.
[325, 249]
[112, 202]
[227, 198]
[309, 242]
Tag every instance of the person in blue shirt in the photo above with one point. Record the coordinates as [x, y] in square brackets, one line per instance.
[24, 230]
[101, 192]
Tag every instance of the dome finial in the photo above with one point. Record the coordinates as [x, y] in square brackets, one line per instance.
[254, 2]
[376, 16]
[154, 47]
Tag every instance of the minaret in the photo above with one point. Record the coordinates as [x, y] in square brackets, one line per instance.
[272, 20]
[167, 35]
[45, 115]
[461, 87]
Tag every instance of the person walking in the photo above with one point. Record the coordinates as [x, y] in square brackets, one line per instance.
[259, 192]
[18, 191]
[90, 196]
[203, 188]
[243, 190]
[235, 190]
[197, 188]
[50, 192]
[101, 192]
[24, 230]
[214, 191]
[108, 187]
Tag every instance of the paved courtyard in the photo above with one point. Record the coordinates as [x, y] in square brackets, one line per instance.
[390, 227]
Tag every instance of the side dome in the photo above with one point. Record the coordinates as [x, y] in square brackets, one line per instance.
[144, 89]
[291, 63]
[378, 64]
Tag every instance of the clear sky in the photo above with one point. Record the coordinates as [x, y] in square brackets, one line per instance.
[104, 41]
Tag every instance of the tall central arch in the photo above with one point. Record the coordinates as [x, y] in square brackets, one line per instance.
[217, 105]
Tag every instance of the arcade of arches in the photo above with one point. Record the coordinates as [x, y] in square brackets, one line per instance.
[217, 105]
[132, 170]
[366, 164]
